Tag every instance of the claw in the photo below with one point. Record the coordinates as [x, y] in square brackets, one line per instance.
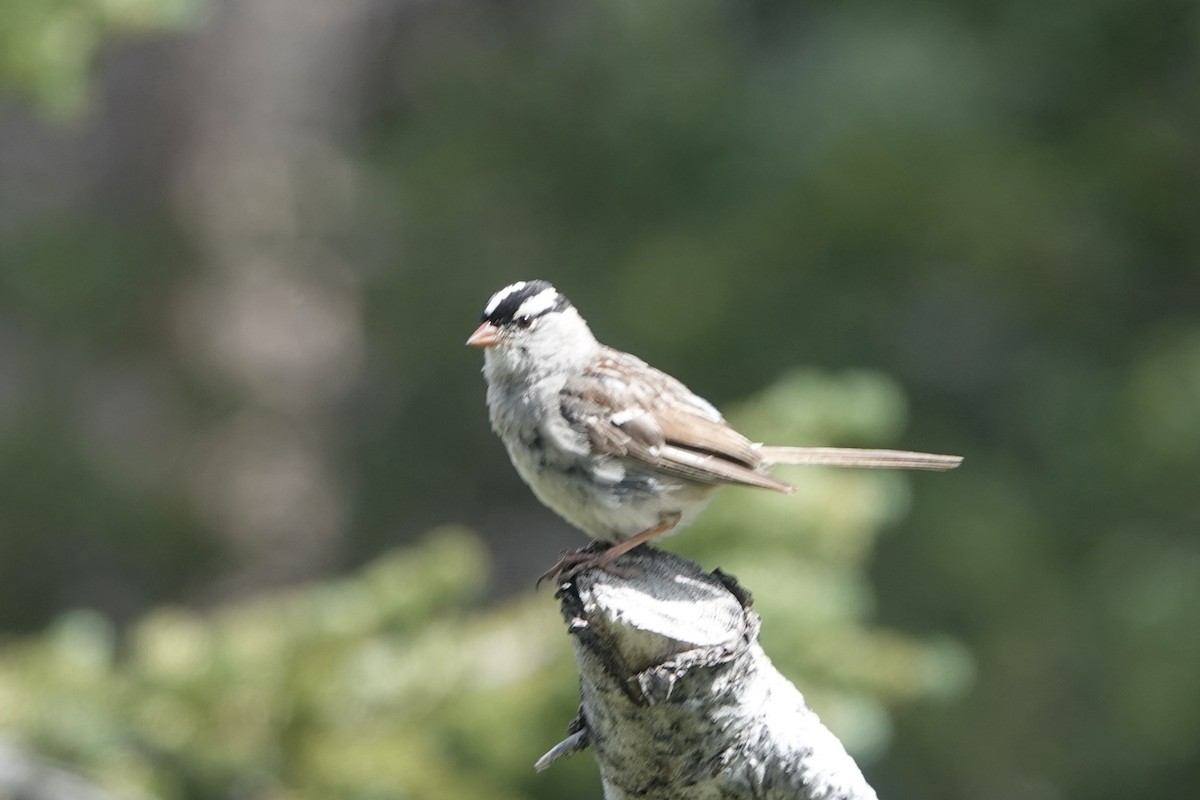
[571, 562]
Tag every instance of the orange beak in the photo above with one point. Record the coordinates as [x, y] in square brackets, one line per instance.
[484, 336]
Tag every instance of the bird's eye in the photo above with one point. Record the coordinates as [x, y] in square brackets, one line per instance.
[524, 321]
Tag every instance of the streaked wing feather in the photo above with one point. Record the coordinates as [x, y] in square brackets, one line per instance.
[631, 410]
[706, 436]
[710, 468]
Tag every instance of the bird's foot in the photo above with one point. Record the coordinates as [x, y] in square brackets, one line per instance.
[594, 555]
[601, 555]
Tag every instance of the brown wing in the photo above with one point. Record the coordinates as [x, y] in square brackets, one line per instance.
[631, 410]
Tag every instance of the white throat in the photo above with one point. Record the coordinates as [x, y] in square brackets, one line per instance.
[558, 346]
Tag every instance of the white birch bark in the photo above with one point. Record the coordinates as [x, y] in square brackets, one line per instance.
[680, 701]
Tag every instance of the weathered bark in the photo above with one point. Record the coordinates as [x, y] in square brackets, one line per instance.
[679, 699]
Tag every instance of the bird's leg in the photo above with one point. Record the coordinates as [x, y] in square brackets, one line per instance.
[572, 563]
[666, 523]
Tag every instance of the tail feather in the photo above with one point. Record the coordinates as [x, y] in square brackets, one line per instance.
[855, 457]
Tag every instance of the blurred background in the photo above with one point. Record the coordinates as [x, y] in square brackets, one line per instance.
[257, 540]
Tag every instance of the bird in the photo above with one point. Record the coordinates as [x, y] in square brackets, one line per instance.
[620, 450]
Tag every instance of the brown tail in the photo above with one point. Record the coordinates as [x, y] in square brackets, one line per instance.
[854, 457]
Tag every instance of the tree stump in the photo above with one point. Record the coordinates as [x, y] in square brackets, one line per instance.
[678, 698]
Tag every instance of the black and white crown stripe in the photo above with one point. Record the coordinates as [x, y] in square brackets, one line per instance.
[523, 300]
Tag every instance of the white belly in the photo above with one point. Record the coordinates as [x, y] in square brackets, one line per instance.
[609, 499]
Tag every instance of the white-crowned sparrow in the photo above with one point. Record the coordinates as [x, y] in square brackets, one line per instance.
[617, 448]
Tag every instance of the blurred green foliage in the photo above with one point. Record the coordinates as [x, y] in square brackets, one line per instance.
[46, 48]
[992, 205]
[394, 682]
